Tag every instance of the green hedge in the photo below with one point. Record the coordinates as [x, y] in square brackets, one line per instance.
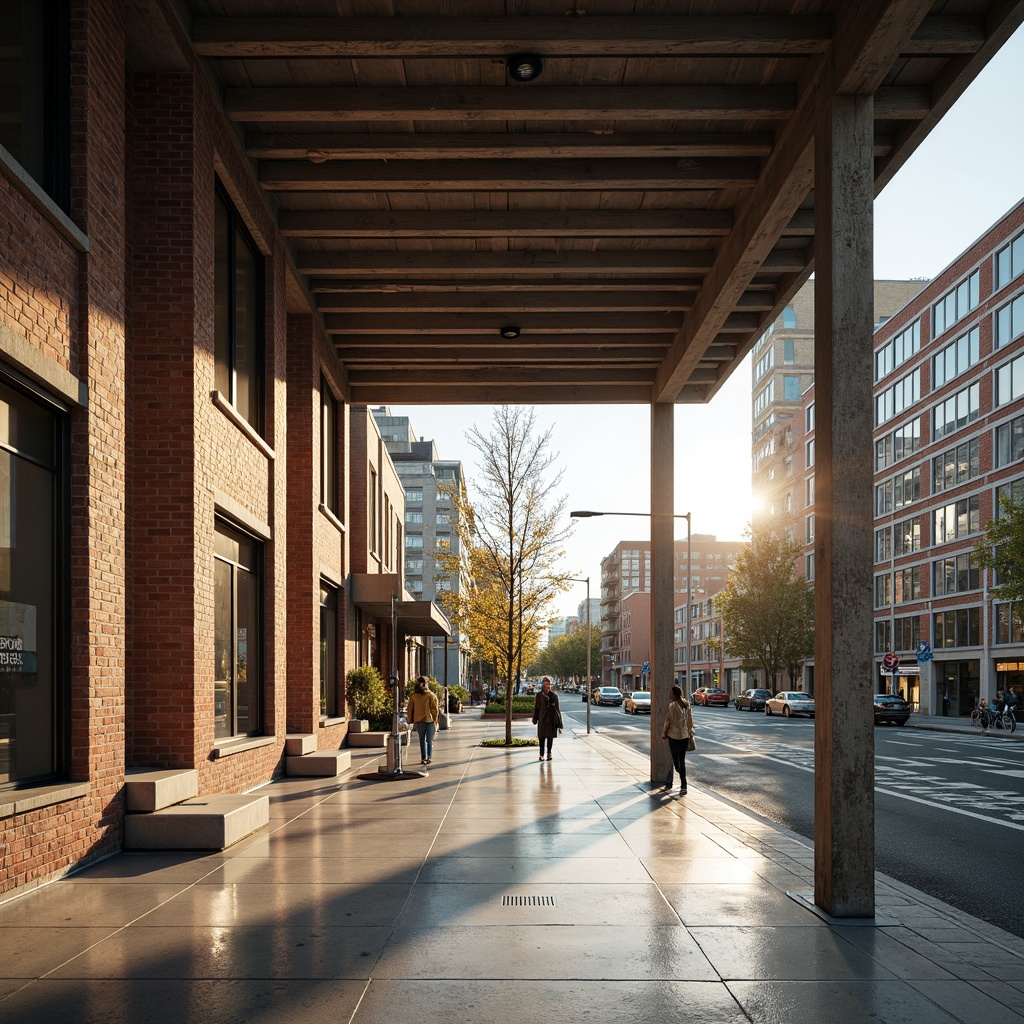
[520, 706]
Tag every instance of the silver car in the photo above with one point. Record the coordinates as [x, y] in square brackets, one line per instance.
[789, 703]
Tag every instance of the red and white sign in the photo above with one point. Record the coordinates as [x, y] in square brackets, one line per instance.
[891, 662]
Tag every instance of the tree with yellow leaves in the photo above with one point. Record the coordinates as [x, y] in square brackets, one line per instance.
[510, 544]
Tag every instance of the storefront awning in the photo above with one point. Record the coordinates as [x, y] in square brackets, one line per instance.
[372, 594]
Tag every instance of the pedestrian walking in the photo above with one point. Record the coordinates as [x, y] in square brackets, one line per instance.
[679, 733]
[547, 717]
[423, 712]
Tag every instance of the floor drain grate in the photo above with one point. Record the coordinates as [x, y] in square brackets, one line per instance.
[528, 901]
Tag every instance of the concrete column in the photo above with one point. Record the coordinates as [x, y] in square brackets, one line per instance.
[662, 581]
[844, 809]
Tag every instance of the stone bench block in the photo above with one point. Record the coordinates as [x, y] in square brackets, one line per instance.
[373, 739]
[358, 725]
[152, 790]
[296, 744]
[324, 763]
[205, 823]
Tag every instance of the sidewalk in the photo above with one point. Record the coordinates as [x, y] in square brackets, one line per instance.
[937, 723]
[497, 889]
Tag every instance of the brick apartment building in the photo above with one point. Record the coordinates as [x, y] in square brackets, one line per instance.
[949, 419]
[199, 535]
[626, 603]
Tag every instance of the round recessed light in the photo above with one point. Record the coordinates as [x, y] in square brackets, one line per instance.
[524, 67]
[510, 332]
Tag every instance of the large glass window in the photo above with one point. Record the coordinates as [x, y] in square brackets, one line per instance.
[956, 358]
[238, 636]
[955, 575]
[791, 388]
[33, 686]
[956, 466]
[956, 411]
[35, 92]
[1008, 263]
[899, 396]
[1009, 442]
[957, 519]
[1009, 322]
[900, 444]
[329, 449]
[898, 350]
[959, 628]
[238, 314]
[956, 304]
[328, 649]
[1010, 381]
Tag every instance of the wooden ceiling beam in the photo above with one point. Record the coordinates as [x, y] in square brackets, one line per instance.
[507, 175]
[589, 36]
[320, 147]
[489, 285]
[544, 392]
[490, 103]
[533, 301]
[525, 263]
[579, 374]
[505, 223]
[593, 36]
[447, 324]
[597, 343]
[364, 357]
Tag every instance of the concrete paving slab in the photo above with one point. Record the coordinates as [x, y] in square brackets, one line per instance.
[245, 952]
[31, 952]
[888, 1002]
[176, 1001]
[525, 870]
[362, 870]
[556, 1002]
[299, 904]
[601, 952]
[79, 904]
[725, 904]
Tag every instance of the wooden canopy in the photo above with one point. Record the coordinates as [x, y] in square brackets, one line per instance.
[632, 217]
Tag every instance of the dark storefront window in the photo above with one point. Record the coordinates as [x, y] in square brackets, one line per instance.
[35, 90]
[328, 650]
[238, 636]
[958, 628]
[238, 314]
[33, 686]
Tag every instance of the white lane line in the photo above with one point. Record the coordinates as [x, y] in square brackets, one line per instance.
[900, 743]
[893, 793]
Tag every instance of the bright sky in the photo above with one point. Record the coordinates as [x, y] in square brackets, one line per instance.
[958, 183]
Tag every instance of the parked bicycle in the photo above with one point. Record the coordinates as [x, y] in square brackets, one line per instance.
[988, 718]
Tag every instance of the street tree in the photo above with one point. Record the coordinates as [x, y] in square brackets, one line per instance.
[512, 537]
[566, 656]
[1002, 551]
[766, 608]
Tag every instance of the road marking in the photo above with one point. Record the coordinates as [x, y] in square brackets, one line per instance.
[987, 797]
[900, 743]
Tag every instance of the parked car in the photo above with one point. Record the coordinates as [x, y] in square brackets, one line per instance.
[890, 708]
[752, 700]
[637, 703]
[789, 703]
[711, 696]
[608, 695]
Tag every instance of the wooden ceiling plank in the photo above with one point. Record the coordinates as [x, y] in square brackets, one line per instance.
[505, 223]
[484, 285]
[489, 103]
[477, 393]
[361, 357]
[320, 147]
[446, 302]
[399, 377]
[593, 35]
[507, 175]
[527, 343]
[476, 324]
[528, 263]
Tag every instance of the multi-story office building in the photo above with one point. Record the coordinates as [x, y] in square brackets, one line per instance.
[949, 443]
[782, 366]
[431, 523]
[626, 570]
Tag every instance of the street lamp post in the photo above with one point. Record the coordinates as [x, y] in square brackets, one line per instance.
[590, 514]
[590, 641]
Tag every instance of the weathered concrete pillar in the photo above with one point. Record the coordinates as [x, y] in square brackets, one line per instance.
[662, 581]
[844, 808]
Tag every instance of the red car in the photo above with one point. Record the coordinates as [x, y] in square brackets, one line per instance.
[711, 696]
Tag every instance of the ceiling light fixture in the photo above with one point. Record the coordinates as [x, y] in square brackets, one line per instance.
[524, 67]
[509, 332]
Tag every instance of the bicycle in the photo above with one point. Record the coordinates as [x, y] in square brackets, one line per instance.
[988, 719]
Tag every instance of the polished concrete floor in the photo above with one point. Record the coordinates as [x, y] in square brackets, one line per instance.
[496, 889]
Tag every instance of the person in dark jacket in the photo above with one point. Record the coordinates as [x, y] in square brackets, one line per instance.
[546, 717]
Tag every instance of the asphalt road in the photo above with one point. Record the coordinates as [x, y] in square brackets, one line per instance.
[949, 809]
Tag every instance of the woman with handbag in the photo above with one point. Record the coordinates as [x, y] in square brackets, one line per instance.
[679, 733]
[547, 717]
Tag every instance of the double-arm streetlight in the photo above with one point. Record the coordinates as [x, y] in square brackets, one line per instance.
[590, 514]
